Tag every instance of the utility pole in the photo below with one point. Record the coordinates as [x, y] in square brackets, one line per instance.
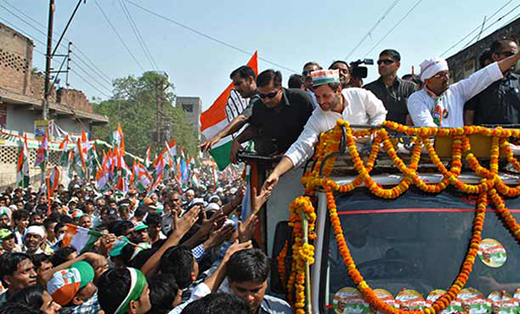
[48, 57]
[69, 52]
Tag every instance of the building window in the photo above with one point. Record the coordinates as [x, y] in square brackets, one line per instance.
[187, 108]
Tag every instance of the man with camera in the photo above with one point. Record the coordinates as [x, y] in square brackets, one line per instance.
[390, 89]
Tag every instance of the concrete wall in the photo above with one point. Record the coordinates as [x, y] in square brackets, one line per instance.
[21, 120]
[15, 60]
[195, 104]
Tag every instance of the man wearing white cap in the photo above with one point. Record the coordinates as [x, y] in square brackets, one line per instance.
[355, 105]
[440, 105]
[33, 238]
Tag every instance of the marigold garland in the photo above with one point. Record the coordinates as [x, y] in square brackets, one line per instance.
[489, 187]
[280, 259]
[302, 252]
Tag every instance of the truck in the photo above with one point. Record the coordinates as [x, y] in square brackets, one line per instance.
[419, 219]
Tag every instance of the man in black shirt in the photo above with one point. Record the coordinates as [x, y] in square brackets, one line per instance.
[278, 119]
[390, 89]
[500, 102]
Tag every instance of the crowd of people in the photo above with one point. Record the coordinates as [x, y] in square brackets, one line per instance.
[171, 251]
[190, 250]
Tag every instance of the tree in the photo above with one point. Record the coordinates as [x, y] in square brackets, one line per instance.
[135, 105]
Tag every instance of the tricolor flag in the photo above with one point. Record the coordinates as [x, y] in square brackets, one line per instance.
[53, 180]
[43, 151]
[79, 238]
[102, 174]
[118, 139]
[227, 106]
[81, 155]
[22, 170]
[169, 154]
[143, 177]
[64, 152]
[155, 184]
[147, 159]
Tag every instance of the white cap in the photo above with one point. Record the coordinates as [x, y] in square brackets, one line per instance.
[212, 206]
[35, 230]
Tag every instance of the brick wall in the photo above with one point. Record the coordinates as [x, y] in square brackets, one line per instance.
[37, 82]
[15, 60]
[17, 76]
[74, 98]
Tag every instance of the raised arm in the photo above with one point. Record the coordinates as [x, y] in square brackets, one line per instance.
[182, 226]
[234, 126]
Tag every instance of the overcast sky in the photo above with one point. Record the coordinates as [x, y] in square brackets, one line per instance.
[218, 36]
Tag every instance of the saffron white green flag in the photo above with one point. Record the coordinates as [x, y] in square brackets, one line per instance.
[82, 239]
[22, 171]
[220, 114]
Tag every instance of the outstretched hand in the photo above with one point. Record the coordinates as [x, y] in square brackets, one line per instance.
[247, 229]
[183, 224]
[208, 145]
[270, 182]
[258, 200]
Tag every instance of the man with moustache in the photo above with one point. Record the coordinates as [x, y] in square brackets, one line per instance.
[355, 105]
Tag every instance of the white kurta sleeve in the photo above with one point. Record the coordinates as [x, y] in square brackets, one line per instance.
[303, 148]
[478, 81]
[419, 111]
[376, 111]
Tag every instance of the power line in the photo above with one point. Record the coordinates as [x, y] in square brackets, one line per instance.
[109, 82]
[137, 34]
[98, 71]
[487, 27]
[90, 76]
[396, 24]
[207, 36]
[91, 85]
[474, 30]
[369, 33]
[118, 36]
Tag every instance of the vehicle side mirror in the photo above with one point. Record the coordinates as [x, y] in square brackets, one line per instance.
[281, 261]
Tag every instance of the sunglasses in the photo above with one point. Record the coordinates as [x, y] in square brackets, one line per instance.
[385, 61]
[307, 72]
[269, 95]
[507, 53]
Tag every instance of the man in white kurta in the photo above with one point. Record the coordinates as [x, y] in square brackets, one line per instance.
[440, 105]
[355, 105]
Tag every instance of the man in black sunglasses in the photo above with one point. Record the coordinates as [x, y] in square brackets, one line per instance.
[390, 89]
[277, 119]
[500, 102]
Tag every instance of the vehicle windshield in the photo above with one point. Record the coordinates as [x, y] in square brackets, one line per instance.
[416, 242]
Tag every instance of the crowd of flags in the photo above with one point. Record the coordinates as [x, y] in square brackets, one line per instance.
[111, 171]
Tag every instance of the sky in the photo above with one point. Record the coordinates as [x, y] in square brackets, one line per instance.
[198, 43]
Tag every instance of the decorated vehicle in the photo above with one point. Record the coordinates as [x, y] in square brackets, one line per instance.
[420, 220]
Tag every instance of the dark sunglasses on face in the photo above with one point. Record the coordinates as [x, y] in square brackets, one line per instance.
[385, 61]
[307, 72]
[269, 95]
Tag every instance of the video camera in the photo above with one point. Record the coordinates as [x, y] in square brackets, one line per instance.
[360, 71]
